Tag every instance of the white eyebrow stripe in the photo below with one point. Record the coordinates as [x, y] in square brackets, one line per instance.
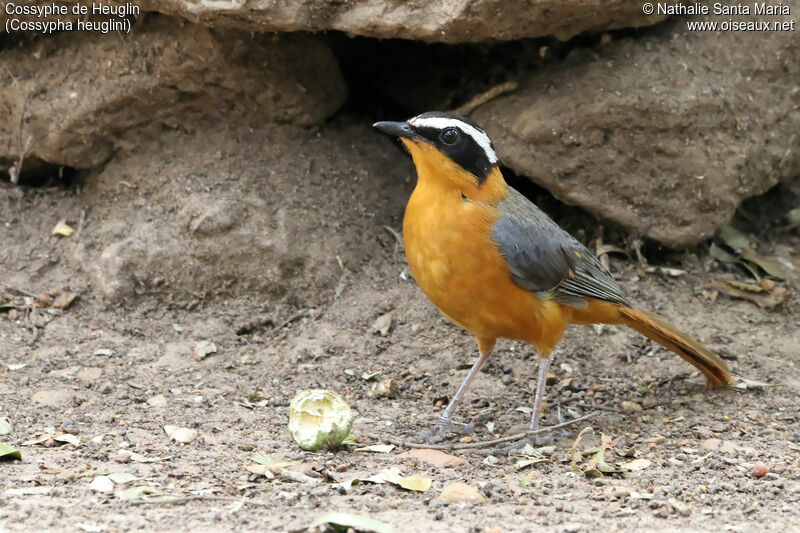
[442, 122]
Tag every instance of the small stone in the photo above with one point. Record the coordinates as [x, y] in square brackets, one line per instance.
[388, 388]
[180, 435]
[760, 469]
[680, 507]
[631, 407]
[711, 444]
[552, 379]
[159, 400]
[122, 456]
[5, 426]
[104, 352]
[459, 492]
[89, 374]
[203, 348]
[383, 325]
[102, 484]
[465, 439]
[53, 398]
[433, 457]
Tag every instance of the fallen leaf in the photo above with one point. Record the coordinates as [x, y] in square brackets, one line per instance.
[345, 521]
[122, 478]
[64, 300]
[7, 453]
[139, 458]
[751, 384]
[764, 300]
[721, 255]
[416, 483]
[28, 491]
[734, 238]
[62, 229]
[181, 435]
[138, 493]
[102, 484]
[376, 448]
[636, 465]
[67, 438]
[434, 457]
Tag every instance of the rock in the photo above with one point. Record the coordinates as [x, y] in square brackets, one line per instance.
[434, 457]
[162, 72]
[203, 348]
[459, 492]
[159, 400]
[275, 236]
[383, 324]
[434, 20]
[711, 444]
[388, 388]
[760, 469]
[180, 435]
[631, 407]
[665, 134]
[6, 427]
[53, 398]
[681, 508]
[102, 484]
[90, 374]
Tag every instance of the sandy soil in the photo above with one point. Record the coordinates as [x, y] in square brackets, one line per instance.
[114, 373]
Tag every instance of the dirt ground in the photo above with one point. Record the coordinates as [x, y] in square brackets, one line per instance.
[117, 366]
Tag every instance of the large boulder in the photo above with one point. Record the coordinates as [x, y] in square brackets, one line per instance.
[665, 134]
[431, 20]
[68, 98]
[268, 212]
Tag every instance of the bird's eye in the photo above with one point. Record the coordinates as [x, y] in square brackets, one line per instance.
[449, 136]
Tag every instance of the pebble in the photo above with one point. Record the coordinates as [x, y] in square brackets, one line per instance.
[5, 426]
[631, 407]
[760, 469]
[102, 484]
[53, 398]
[459, 492]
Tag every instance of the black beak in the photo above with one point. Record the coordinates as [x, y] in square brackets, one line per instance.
[397, 129]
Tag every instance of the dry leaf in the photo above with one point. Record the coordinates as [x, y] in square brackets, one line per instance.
[415, 482]
[636, 465]
[62, 229]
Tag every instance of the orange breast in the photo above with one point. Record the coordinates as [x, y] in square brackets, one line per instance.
[458, 266]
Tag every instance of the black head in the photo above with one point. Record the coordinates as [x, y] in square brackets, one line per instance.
[457, 137]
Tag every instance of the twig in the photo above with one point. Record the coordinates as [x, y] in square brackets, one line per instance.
[202, 497]
[17, 289]
[493, 442]
[592, 406]
[485, 97]
[300, 314]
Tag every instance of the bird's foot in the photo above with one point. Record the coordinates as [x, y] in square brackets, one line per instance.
[525, 445]
[438, 432]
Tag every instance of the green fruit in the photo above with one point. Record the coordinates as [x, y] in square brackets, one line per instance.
[319, 418]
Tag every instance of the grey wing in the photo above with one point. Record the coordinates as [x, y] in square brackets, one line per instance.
[547, 260]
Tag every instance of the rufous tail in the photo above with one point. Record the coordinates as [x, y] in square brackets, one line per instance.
[656, 328]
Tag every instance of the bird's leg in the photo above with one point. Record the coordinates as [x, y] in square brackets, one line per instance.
[544, 363]
[445, 423]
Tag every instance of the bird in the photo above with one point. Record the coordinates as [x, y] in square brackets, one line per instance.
[493, 263]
